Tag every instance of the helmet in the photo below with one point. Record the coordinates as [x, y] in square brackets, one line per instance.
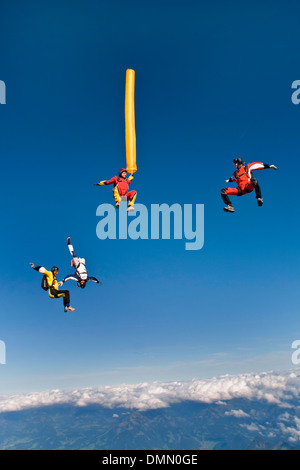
[81, 284]
[239, 161]
[54, 268]
[121, 171]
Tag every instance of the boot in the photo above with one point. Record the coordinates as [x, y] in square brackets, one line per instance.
[229, 209]
[260, 201]
[69, 309]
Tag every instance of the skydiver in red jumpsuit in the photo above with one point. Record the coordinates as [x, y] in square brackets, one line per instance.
[121, 186]
[245, 181]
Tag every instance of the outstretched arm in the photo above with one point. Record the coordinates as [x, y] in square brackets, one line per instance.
[230, 180]
[70, 277]
[40, 269]
[272, 167]
[94, 279]
[104, 182]
[260, 166]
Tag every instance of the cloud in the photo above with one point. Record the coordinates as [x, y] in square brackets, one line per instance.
[276, 388]
[293, 432]
[251, 427]
[237, 414]
[285, 417]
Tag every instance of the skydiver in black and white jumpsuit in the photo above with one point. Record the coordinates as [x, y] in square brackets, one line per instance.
[81, 275]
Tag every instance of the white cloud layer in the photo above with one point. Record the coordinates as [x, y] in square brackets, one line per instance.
[276, 388]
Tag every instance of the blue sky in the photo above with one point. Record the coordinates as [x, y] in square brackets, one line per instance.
[213, 81]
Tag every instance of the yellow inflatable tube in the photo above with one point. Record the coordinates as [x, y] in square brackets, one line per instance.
[130, 136]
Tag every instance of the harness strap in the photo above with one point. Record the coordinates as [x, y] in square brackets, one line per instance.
[118, 179]
[245, 173]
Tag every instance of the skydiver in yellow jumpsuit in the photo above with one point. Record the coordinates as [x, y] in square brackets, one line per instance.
[52, 286]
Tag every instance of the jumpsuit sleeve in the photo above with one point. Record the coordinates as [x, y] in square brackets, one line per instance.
[94, 279]
[112, 181]
[257, 166]
[42, 270]
[70, 277]
[48, 274]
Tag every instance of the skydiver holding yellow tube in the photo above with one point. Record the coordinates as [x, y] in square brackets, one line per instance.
[121, 183]
[121, 186]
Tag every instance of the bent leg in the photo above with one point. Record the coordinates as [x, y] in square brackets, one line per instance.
[117, 196]
[71, 250]
[57, 294]
[131, 197]
[257, 188]
[75, 261]
[66, 296]
[225, 192]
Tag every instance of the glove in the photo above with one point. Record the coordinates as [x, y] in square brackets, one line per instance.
[60, 283]
[130, 178]
[102, 183]
[273, 167]
[228, 181]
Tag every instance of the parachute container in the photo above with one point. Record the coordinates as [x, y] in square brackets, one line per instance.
[130, 136]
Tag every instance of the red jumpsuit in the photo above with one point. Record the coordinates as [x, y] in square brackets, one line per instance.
[121, 185]
[245, 181]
